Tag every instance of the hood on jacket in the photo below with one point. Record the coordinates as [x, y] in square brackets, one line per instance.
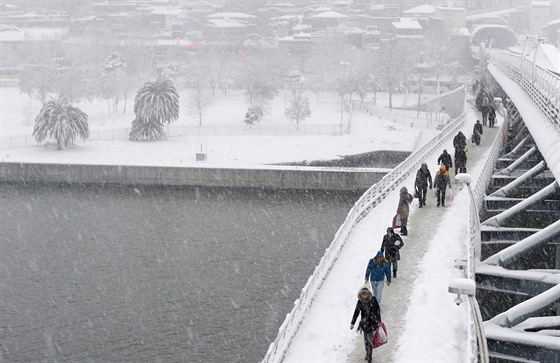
[404, 190]
[379, 254]
[365, 294]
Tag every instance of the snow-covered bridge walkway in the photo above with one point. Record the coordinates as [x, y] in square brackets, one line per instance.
[423, 322]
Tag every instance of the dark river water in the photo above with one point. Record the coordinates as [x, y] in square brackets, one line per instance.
[148, 274]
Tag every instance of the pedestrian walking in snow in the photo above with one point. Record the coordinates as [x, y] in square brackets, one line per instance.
[391, 245]
[377, 268]
[491, 116]
[479, 99]
[405, 198]
[485, 109]
[459, 141]
[441, 181]
[423, 179]
[445, 159]
[370, 317]
[461, 160]
[477, 132]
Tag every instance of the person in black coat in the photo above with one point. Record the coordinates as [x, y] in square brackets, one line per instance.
[479, 99]
[485, 109]
[460, 161]
[477, 132]
[445, 159]
[423, 178]
[491, 116]
[459, 141]
[390, 246]
[370, 317]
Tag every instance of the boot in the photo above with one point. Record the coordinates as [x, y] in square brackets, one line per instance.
[404, 231]
[395, 273]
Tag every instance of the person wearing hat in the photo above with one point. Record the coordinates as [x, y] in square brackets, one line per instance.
[405, 198]
[377, 268]
[423, 178]
[441, 181]
[370, 317]
[390, 246]
[445, 159]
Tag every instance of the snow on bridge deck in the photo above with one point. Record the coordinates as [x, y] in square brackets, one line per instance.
[423, 322]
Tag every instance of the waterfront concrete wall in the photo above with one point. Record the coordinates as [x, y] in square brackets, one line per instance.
[265, 177]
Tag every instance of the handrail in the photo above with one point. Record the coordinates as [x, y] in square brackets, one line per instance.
[369, 200]
[479, 191]
[541, 85]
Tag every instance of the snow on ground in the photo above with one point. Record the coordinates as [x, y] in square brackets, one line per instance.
[423, 322]
[367, 133]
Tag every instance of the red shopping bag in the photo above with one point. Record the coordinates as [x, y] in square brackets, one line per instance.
[380, 336]
[396, 221]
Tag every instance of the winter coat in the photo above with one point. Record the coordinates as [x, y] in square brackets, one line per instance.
[391, 245]
[404, 200]
[485, 107]
[445, 159]
[368, 309]
[441, 180]
[478, 128]
[377, 270]
[479, 99]
[459, 141]
[460, 158]
[423, 178]
[491, 113]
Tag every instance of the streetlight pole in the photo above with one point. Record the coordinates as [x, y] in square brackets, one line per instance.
[420, 82]
[344, 64]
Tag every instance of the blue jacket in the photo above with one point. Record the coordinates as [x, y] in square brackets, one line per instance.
[376, 270]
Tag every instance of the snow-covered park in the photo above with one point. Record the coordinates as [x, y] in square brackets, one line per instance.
[224, 136]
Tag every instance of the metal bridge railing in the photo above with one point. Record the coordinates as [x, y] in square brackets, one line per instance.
[479, 191]
[540, 84]
[369, 200]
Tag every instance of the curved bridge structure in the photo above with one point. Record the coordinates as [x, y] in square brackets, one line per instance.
[518, 273]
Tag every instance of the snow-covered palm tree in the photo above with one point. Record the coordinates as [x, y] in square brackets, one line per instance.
[155, 104]
[61, 121]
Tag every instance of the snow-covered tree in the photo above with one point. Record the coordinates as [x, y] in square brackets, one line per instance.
[198, 102]
[261, 77]
[113, 74]
[298, 108]
[393, 64]
[171, 71]
[61, 122]
[254, 115]
[155, 104]
[37, 81]
[440, 48]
